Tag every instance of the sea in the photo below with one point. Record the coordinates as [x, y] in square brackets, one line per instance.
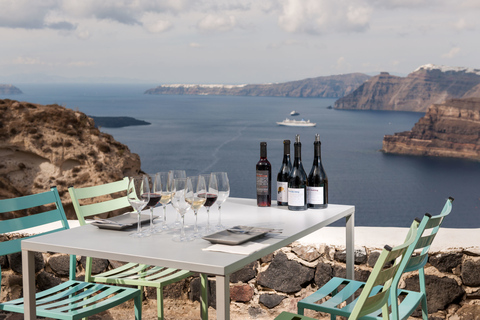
[202, 134]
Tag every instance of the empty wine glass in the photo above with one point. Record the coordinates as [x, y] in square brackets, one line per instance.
[172, 175]
[138, 196]
[166, 196]
[181, 198]
[223, 193]
[155, 196]
[198, 187]
[210, 197]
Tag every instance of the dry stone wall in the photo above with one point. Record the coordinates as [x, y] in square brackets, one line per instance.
[264, 288]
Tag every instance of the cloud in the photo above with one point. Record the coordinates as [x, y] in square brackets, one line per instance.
[452, 53]
[158, 26]
[24, 13]
[462, 25]
[62, 25]
[214, 22]
[195, 45]
[324, 16]
[28, 61]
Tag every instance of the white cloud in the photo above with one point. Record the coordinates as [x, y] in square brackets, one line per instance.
[452, 53]
[214, 22]
[24, 13]
[324, 16]
[83, 34]
[28, 61]
[158, 26]
[462, 25]
[195, 45]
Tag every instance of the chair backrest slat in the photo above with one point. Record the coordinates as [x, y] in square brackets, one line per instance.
[18, 224]
[27, 202]
[96, 193]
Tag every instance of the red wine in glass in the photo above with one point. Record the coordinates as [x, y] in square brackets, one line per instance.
[154, 199]
[211, 198]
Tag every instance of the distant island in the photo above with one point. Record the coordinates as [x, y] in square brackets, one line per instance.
[9, 89]
[335, 86]
[427, 85]
[117, 122]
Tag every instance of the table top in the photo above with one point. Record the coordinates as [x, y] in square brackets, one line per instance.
[161, 250]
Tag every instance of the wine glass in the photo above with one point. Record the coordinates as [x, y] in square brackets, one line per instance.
[210, 196]
[223, 193]
[155, 195]
[198, 187]
[182, 196]
[138, 196]
[172, 175]
[166, 197]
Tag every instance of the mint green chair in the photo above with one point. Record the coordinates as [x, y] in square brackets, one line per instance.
[291, 316]
[131, 273]
[415, 258]
[72, 299]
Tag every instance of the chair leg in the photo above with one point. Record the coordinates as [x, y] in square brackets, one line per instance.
[423, 289]
[138, 307]
[300, 310]
[160, 303]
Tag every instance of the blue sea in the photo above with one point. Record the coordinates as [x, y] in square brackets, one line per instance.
[222, 133]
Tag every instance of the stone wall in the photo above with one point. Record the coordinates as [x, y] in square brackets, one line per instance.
[276, 282]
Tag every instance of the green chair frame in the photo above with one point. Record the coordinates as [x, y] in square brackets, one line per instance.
[417, 257]
[131, 273]
[72, 299]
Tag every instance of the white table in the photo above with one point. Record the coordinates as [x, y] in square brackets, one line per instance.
[161, 250]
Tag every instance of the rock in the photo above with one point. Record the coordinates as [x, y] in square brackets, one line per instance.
[307, 253]
[285, 275]
[15, 262]
[12, 286]
[245, 274]
[446, 262]
[360, 255]
[321, 87]
[372, 258]
[440, 291]
[425, 86]
[60, 264]
[241, 292]
[173, 291]
[49, 145]
[46, 281]
[467, 312]
[449, 129]
[340, 271]
[3, 262]
[268, 258]
[271, 300]
[323, 274]
[98, 265]
[118, 122]
[471, 272]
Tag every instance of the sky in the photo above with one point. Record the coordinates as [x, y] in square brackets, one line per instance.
[229, 41]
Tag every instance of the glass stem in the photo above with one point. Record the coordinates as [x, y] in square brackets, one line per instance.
[219, 215]
[164, 216]
[196, 220]
[183, 227]
[139, 228]
[151, 218]
[208, 218]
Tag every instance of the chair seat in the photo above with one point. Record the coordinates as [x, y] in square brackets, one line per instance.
[339, 290]
[141, 275]
[291, 316]
[75, 300]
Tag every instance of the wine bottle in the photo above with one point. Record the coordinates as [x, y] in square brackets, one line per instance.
[283, 175]
[264, 178]
[317, 189]
[297, 183]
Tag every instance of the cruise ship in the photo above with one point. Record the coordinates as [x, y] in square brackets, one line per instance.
[296, 123]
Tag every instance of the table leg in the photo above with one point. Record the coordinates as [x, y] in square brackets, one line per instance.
[28, 271]
[350, 243]
[204, 296]
[223, 297]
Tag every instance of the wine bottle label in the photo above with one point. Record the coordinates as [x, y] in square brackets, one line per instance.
[282, 191]
[315, 195]
[296, 196]
[262, 182]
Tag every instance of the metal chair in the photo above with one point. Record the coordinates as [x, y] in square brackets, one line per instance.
[72, 299]
[130, 273]
[415, 258]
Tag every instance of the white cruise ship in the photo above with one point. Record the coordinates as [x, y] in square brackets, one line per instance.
[296, 123]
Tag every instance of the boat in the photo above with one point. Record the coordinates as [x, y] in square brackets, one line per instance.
[296, 123]
[294, 113]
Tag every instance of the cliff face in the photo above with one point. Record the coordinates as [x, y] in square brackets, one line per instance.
[449, 129]
[48, 145]
[427, 85]
[320, 87]
[9, 89]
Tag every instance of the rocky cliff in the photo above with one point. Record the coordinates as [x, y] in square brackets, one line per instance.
[321, 87]
[449, 129]
[427, 85]
[9, 89]
[48, 145]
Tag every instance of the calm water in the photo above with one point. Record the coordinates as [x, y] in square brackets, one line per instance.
[220, 133]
